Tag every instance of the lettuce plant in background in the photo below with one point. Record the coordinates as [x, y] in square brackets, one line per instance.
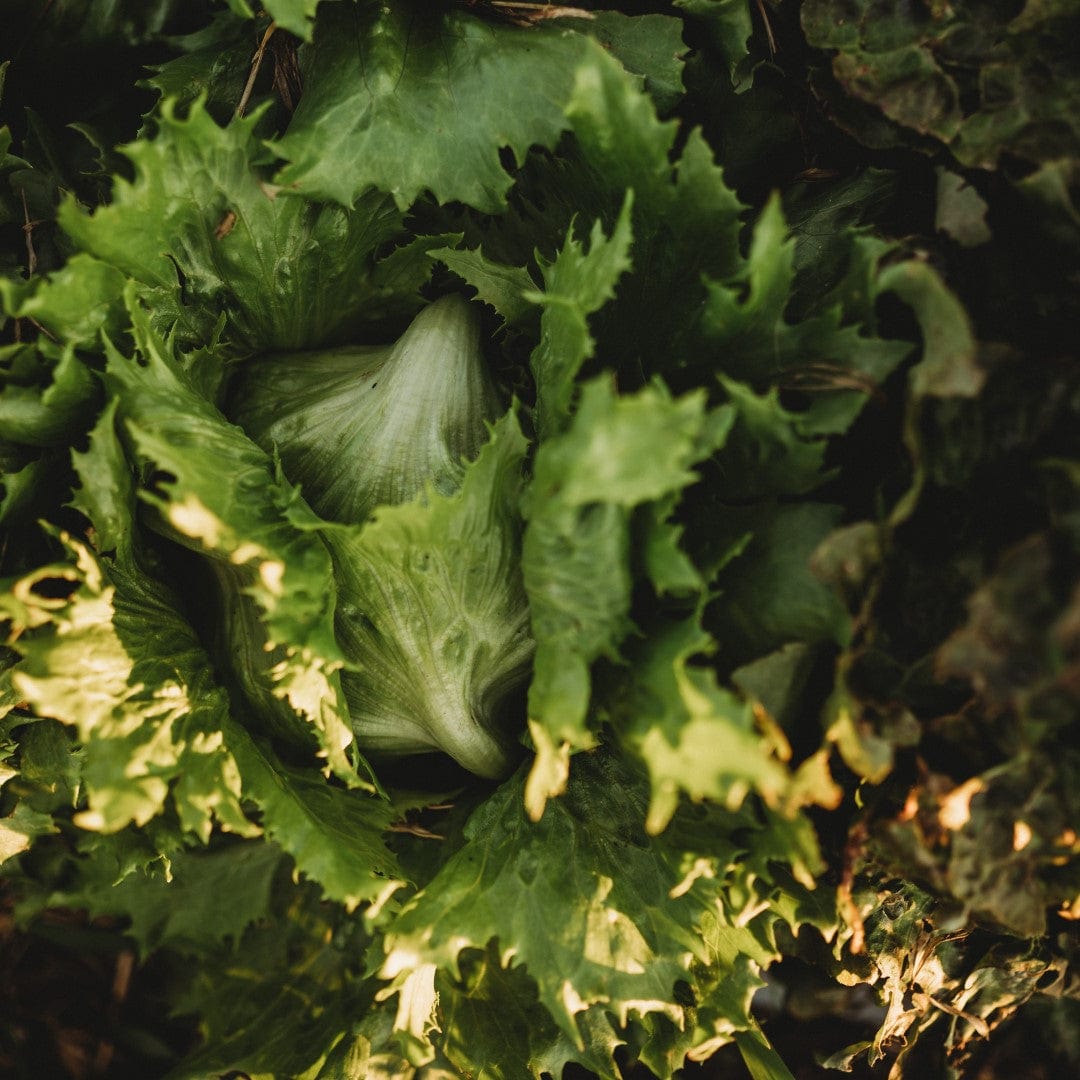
[538, 539]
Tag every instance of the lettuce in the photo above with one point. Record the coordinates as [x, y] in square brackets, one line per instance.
[358, 428]
[430, 612]
[526, 547]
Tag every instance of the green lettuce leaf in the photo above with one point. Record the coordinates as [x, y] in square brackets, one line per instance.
[576, 284]
[492, 1014]
[183, 910]
[593, 924]
[729, 27]
[433, 618]
[48, 395]
[404, 416]
[277, 1001]
[26, 820]
[73, 304]
[26, 486]
[19, 828]
[617, 453]
[252, 520]
[597, 913]
[648, 45]
[400, 99]
[826, 353]
[691, 734]
[768, 452]
[141, 730]
[143, 703]
[157, 730]
[204, 232]
[684, 224]
[768, 595]
[50, 765]
[213, 66]
[296, 16]
[505, 288]
[334, 836]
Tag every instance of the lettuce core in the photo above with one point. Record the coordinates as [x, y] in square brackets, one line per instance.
[392, 447]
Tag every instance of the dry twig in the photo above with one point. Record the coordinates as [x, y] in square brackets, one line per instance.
[256, 63]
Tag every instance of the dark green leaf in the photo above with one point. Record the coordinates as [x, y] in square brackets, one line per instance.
[205, 233]
[400, 99]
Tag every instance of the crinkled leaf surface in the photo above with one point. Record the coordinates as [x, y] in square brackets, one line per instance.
[685, 220]
[617, 453]
[47, 395]
[608, 923]
[335, 836]
[400, 99]
[576, 284]
[185, 911]
[73, 303]
[247, 517]
[691, 734]
[602, 921]
[691, 303]
[742, 527]
[184, 732]
[141, 700]
[433, 616]
[200, 227]
[827, 352]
